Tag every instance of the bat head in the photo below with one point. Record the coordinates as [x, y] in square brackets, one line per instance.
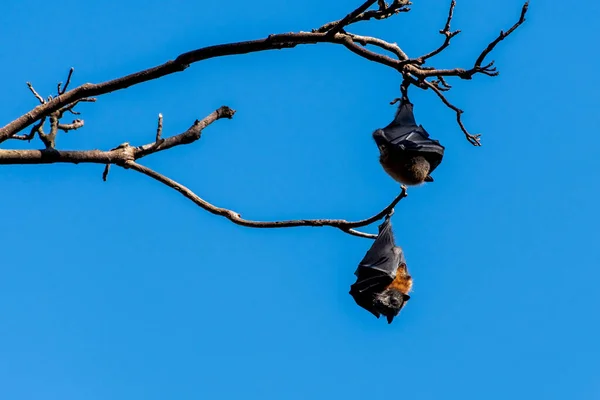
[390, 302]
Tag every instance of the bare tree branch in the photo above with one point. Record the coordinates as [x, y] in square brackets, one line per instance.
[412, 71]
[70, 107]
[501, 37]
[475, 140]
[35, 129]
[236, 218]
[76, 124]
[36, 94]
[64, 89]
[328, 33]
[339, 25]
[182, 62]
[477, 67]
[392, 47]
[397, 6]
[446, 32]
[125, 155]
[118, 155]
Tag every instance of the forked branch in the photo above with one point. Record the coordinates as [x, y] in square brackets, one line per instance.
[53, 108]
[236, 218]
[329, 33]
[126, 155]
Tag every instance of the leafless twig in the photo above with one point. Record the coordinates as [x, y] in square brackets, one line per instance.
[346, 226]
[446, 32]
[64, 89]
[392, 47]
[76, 124]
[34, 129]
[503, 35]
[35, 93]
[117, 155]
[475, 140]
[339, 25]
[397, 6]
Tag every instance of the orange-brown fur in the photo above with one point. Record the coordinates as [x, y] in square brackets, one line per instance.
[403, 281]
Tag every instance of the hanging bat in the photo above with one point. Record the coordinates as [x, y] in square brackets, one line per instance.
[383, 282]
[406, 152]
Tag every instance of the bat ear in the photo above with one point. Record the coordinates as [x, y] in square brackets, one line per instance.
[428, 178]
[406, 297]
[390, 318]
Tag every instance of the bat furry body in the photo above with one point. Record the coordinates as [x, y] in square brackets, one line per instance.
[383, 281]
[408, 170]
[406, 152]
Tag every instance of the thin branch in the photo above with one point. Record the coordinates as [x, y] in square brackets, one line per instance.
[449, 19]
[34, 129]
[444, 83]
[501, 37]
[236, 218]
[365, 235]
[475, 140]
[392, 47]
[192, 134]
[64, 89]
[35, 93]
[477, 68]
[125, 155]
[397, 6]
[441, 84]
[446, 32]
[117, 155]
[76, 124]
[339, 25]
[182, 62]
[70, 107]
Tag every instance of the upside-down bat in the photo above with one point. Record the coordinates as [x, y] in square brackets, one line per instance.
[383, 281]
[406, 152]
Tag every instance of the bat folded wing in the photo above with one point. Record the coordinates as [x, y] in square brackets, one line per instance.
[377, 269]
[403, 135]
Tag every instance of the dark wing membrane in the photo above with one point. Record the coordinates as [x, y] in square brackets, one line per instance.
[403, 123]
[369, 283]
[365, 299]
[383, 255]
[408, 137]
[377, 269]
[418, 142]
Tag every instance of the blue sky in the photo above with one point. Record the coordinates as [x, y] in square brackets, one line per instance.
[126, 290]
